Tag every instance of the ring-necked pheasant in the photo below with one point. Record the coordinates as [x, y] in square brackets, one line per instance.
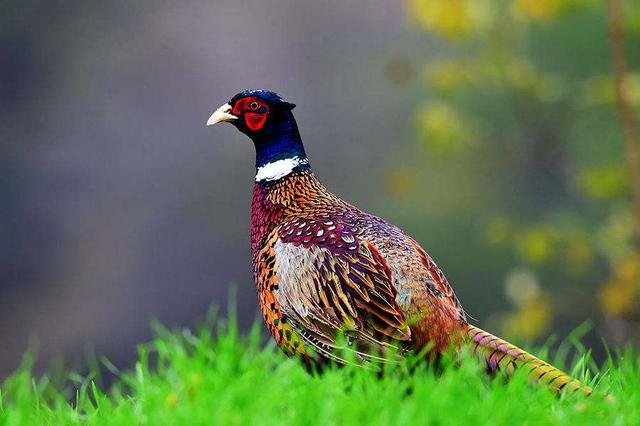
[323, 268]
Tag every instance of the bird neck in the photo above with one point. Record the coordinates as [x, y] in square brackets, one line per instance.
[279, 149]
[275, 200]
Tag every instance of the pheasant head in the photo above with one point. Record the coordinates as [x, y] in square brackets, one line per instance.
[267, 119]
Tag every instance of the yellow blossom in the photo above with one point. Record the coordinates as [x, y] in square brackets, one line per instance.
[531, 320]
[442, 127]
[614, 238]
[451, 19]
[533, 310]
[535, 245]
[604, 182]
[621, 293]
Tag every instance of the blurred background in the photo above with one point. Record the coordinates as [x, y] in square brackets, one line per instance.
[490, 130]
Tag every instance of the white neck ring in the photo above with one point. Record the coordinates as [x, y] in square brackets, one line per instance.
[279, 169]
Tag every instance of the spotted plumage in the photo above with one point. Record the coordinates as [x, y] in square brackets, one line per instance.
[331, 278]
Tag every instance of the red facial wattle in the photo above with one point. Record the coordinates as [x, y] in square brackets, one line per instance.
[255, 120]
[254, 112]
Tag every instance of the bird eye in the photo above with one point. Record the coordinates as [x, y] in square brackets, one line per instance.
[254, 105]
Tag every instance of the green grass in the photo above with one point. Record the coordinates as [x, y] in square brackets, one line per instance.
[226, 378]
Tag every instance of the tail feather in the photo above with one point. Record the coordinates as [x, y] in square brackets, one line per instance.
[502, 355]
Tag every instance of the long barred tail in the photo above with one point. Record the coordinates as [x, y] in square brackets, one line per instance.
[500, 354]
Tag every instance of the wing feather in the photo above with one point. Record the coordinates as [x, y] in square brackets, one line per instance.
[324, 292]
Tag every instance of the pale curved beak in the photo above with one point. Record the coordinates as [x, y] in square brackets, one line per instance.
[221, 114]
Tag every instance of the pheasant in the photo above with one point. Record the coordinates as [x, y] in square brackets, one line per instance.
[331, 278]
